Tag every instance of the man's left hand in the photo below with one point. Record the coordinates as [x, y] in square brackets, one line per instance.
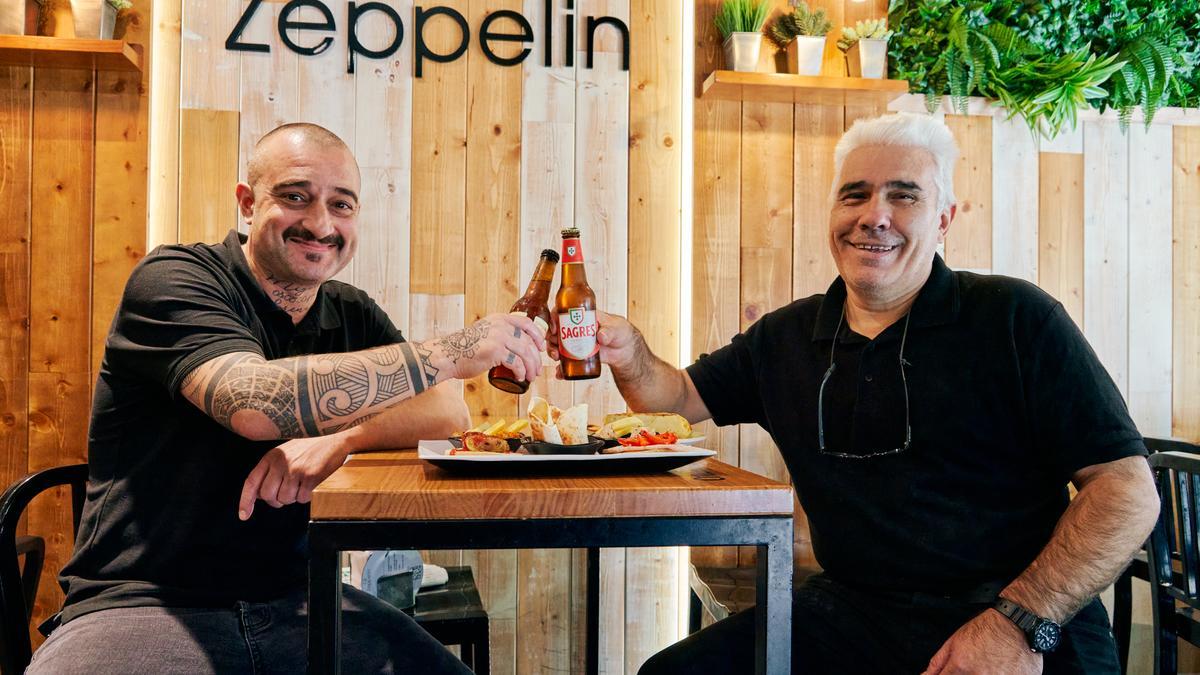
[989, 643]
[287, 474]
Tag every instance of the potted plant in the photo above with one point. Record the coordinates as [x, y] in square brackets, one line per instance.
[90, 19]
[866, 48]
[740, 23]
[802, 34]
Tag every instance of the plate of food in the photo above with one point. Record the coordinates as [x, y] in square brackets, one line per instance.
[498, 436]
[614, 460]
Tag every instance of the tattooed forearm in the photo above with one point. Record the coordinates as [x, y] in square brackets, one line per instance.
[463, 344]
[308, 395]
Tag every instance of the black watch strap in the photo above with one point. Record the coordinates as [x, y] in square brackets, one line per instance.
[1042, 634]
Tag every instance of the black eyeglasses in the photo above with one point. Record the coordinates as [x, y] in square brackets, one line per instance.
[821, 399]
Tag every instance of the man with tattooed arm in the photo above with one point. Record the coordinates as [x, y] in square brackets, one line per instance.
[931, 420]
[239, 373]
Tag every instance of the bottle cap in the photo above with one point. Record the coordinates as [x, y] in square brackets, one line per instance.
[570, 233]
[550, 254]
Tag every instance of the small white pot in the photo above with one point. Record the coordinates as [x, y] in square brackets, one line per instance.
[94, 19]
[741, 51]
[12, 18]
[805, 54]
[868, 58]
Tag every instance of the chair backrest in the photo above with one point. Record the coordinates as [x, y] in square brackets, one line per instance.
[15, 647]
[1174, 555]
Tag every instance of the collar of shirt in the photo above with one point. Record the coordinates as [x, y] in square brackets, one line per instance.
[936, 304]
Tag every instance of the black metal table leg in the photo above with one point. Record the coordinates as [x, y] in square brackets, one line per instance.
[593, 611]
[773, 648]
[324, 611]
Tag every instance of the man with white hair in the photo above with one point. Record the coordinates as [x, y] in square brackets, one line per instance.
[932, 421]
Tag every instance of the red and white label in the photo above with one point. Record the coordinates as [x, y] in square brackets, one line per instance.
[572, 251]
[577, 333]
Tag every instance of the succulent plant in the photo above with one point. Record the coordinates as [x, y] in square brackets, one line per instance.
[801, 21]
[870, 29]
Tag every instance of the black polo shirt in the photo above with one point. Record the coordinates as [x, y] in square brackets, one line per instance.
[160, 524]
[1006, 401]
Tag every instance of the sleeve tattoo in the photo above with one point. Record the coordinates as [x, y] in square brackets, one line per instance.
[312, 395]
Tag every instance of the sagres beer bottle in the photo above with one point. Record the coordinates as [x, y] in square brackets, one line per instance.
[575, 305]
[532, 305]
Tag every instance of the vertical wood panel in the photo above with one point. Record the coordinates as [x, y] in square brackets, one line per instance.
[122, 174]
[1149, 275]
[1015, 200]
[439, 157]
[493, 213]
[969, 242]
[16, 103]
[1185, 395]
[163, 198]
[818, 129]
[61, 237]
[209, 71]
[209, 168]
[716, 236]
[1060, 230]
[652, 588]
[381, 263]
[57, 435]
[1106, 247]
[269, 83]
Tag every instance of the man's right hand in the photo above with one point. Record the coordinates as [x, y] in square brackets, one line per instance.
[619, 342]
[511, 340]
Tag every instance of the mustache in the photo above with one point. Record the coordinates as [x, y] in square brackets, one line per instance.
[304, 235]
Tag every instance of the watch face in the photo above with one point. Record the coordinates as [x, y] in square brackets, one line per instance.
[1045, 636]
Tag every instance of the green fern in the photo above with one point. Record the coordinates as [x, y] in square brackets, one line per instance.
[801, 21]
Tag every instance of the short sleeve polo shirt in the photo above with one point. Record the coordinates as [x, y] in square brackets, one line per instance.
[1005, 401]
[160, 524]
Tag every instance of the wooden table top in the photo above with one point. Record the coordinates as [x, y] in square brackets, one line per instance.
[395, 485]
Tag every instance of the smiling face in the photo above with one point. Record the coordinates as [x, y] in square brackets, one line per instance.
[302, 209]
[885, 226]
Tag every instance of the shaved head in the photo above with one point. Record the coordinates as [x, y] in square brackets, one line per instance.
[297, 133]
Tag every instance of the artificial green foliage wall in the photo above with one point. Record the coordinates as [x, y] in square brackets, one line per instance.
[1046, 59]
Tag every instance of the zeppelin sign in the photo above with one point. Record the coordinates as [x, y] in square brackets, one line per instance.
[518, 30]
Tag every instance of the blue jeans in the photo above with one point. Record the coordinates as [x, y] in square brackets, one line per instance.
[250, 637]
[840, 629]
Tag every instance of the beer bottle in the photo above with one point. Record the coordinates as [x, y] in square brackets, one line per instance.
[575, 305]
[533, 305]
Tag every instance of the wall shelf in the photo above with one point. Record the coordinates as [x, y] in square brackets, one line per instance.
[784, 88]
[50, 52]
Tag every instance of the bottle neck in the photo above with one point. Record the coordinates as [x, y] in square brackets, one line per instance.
[572, 251]
[543, 274]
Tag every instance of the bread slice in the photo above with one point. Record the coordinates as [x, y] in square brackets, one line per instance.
[657, 422]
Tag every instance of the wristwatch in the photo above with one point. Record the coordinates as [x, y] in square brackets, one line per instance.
[1042, 634]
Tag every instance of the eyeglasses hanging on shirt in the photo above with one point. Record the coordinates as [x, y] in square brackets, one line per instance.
[901, 363]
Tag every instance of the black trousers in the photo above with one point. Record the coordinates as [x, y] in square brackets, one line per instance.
[838, 629]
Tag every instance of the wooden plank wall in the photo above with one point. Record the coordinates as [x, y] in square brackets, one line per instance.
[468, 173]
[1104, 221]
[73, 175]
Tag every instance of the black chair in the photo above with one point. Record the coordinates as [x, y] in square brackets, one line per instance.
[18, 584]
[453, 614]
[1139, 568]
[1174, 557]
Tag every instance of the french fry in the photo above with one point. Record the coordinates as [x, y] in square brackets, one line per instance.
[517, 427]
[495, 428]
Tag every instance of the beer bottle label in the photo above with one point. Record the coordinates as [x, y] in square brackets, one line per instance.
[577, 333]
[572, 251]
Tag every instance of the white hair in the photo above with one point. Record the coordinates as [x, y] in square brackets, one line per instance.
[903, 130]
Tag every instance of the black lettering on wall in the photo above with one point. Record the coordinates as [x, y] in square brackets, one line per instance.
[234, 43]
[422, 51]
[569, 20]
[486, 34]
[353, 13]
[593, 23]
[286, 24]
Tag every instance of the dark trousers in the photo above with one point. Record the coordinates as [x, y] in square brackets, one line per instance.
[838, 629]
[254, 638]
